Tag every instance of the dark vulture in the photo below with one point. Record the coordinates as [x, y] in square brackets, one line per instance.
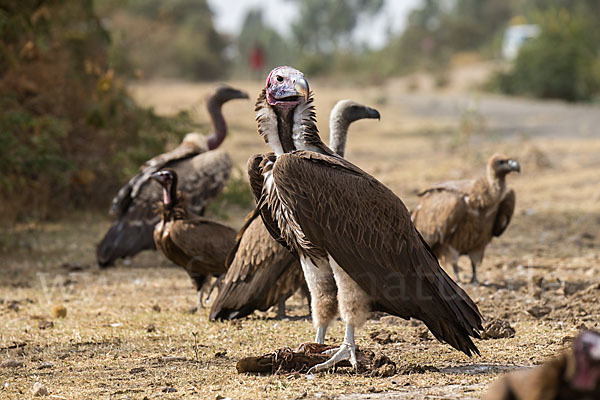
[574, 375]
[195, 243]
[261, 272]
[203, 172]
[461, 217]
[357, 245]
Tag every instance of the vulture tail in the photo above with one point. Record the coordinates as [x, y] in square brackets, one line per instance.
[125, 239]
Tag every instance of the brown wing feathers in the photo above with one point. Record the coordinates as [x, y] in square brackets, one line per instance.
[375, 243]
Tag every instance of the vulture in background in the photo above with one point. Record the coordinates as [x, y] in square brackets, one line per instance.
[357, 246]
[261, 272]
[574, 375]
[203, 172]
[195, 243]
[461, 217]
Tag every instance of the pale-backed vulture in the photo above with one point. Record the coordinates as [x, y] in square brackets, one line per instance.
[203, 171]
[261, 272]
[350, 231]
[573, 375]
[462, 217]
[197, 244]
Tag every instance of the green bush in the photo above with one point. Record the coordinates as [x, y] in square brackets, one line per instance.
[69, 132]
[562, 62]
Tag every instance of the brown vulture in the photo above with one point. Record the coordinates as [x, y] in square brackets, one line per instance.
[261, 272]
[461, 217]
[203, 170]
[195, 243]
[357, 245]
[574, 375]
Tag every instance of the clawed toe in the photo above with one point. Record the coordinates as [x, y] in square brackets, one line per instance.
[343, 353]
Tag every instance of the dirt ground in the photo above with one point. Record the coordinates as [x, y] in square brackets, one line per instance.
[128, 332]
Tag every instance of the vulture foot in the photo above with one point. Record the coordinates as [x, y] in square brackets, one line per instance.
[345, 352]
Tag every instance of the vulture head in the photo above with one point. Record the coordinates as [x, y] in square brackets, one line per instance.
[350, 111]
[500, 165]
[168, 180]
[584, 365]
[286, 88]
[225, 93]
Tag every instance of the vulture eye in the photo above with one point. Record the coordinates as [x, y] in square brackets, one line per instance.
[279, 78]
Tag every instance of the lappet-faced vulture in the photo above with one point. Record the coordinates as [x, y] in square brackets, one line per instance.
[462, 217]
[262, 272]
[197, 244]
[357, 245]
[203, 172]
[573, 375]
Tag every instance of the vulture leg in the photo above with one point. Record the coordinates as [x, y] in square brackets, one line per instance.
[476, 258]
[354, 309]
[198, 282]
[281, 308]
[450, 256]
[347, 351]
[321, 284]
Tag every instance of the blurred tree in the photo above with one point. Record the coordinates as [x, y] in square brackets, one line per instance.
[255, 34]
[69, 133]
[324, 26]
[174, 38]
[562, 62]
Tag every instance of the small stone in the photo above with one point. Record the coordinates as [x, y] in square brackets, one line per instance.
[12, 363]
[59, 311]
[498, 329]
[156, 308]
[13, 305]
[137, 370]
[39, 390]
[220, 354]
[150, 328]
[386, 370]
[539, 311]
[169, 390]
[45, 365]
[44, 324]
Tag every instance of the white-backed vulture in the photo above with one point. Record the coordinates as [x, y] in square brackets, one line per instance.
[357, 245]
[261, 272]
[461, 217]
[203, 172]
[197, 244]
[573, 375]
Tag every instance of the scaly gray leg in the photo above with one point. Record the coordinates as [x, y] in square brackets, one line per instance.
[281, 308]
[347, 351]
[321, 330]
[474, 277]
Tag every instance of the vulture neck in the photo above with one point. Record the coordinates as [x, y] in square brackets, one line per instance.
[289, 130]
[174, 209]
[220, 127]
[497, 183]
[338, 133]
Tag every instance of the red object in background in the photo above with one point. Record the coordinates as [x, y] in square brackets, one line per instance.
[257, 58]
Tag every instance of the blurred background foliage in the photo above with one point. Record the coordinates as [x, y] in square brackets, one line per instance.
[70, 134]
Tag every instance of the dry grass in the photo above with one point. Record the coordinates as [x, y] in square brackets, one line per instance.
[123, 322]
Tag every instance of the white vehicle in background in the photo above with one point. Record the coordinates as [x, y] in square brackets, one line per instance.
[514, 37]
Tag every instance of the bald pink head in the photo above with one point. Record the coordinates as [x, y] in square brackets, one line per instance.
[286, 87]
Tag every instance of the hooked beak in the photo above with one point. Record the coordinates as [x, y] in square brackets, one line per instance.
[514, 165]
[301, 87]
[241, 95]
[373, 113]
